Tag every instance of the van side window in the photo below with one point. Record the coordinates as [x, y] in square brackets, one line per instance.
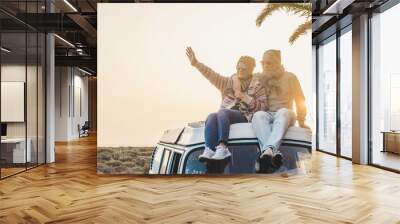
[193, 165]
[155, 165]
[175, 162]
[165, 159]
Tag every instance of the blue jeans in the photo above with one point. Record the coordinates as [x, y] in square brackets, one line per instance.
[218, 124]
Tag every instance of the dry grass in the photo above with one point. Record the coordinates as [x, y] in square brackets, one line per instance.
[124, 160]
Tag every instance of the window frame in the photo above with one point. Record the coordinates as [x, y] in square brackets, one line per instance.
[379, 10]
[334, 37]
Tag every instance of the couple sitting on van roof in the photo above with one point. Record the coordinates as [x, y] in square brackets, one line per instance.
[264, 99]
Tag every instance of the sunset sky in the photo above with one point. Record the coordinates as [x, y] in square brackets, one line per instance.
[145, 82]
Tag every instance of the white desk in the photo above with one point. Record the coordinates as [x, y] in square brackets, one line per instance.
[18, 149]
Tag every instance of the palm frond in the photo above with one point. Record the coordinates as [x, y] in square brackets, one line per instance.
[267, 11]
[300, 9]
[301, 30]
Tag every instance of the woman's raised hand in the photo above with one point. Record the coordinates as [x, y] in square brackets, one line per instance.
[190, 54]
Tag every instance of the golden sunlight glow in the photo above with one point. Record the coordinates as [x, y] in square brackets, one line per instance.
[147, 85]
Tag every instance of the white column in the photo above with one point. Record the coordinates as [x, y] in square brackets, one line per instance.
[50, 92]
[314, 94]
[50, 99]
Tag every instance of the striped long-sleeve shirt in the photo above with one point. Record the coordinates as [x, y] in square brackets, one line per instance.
[254, 93]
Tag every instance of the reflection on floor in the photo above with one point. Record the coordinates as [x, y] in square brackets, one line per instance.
[387, 159]
[10, 169]
[347, 152]
[70, 191]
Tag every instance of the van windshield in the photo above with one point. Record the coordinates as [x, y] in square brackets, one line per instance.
[193, 165]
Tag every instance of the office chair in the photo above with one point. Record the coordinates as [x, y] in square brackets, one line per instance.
[84, 130]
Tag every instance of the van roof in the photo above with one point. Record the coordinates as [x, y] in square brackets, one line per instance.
[193, 133]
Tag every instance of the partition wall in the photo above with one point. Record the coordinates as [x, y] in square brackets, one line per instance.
[23, 84]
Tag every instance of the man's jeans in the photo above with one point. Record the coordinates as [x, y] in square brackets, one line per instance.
[218, 124]
[270, 127]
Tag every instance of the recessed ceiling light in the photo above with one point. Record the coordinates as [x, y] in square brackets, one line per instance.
[84, 71]
[338, 6]
[5, 50]
[64, 40]
[70, 5]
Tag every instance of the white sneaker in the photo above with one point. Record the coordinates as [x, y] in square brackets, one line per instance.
[221, 153]
[207, 154]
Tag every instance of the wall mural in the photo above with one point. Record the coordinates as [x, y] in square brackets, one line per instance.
[204, 88]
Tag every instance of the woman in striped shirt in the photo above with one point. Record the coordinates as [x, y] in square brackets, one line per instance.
[242, 95]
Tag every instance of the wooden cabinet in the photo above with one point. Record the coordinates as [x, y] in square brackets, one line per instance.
[391, 141]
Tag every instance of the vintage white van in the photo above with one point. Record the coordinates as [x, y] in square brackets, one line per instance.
[178, 150]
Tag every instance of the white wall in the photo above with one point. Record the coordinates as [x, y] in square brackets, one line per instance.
[145, 82]
[33, 128]
[80, 89]
[14, 73]
[11, 73]
[69, 84]
[62, 80]
[13, 101]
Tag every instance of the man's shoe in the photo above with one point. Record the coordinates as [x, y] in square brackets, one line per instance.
[266, 165]
[207, 155]
[221, 153]
[277, 158]
[266, 153]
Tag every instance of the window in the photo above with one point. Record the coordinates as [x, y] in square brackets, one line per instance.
[394, 102]
[192, 163]
[175, 162]
[385, 86]
[165, 160]
[22, 70]
[327, 95]
[156, 160]
[243, 158]
[346, 93]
